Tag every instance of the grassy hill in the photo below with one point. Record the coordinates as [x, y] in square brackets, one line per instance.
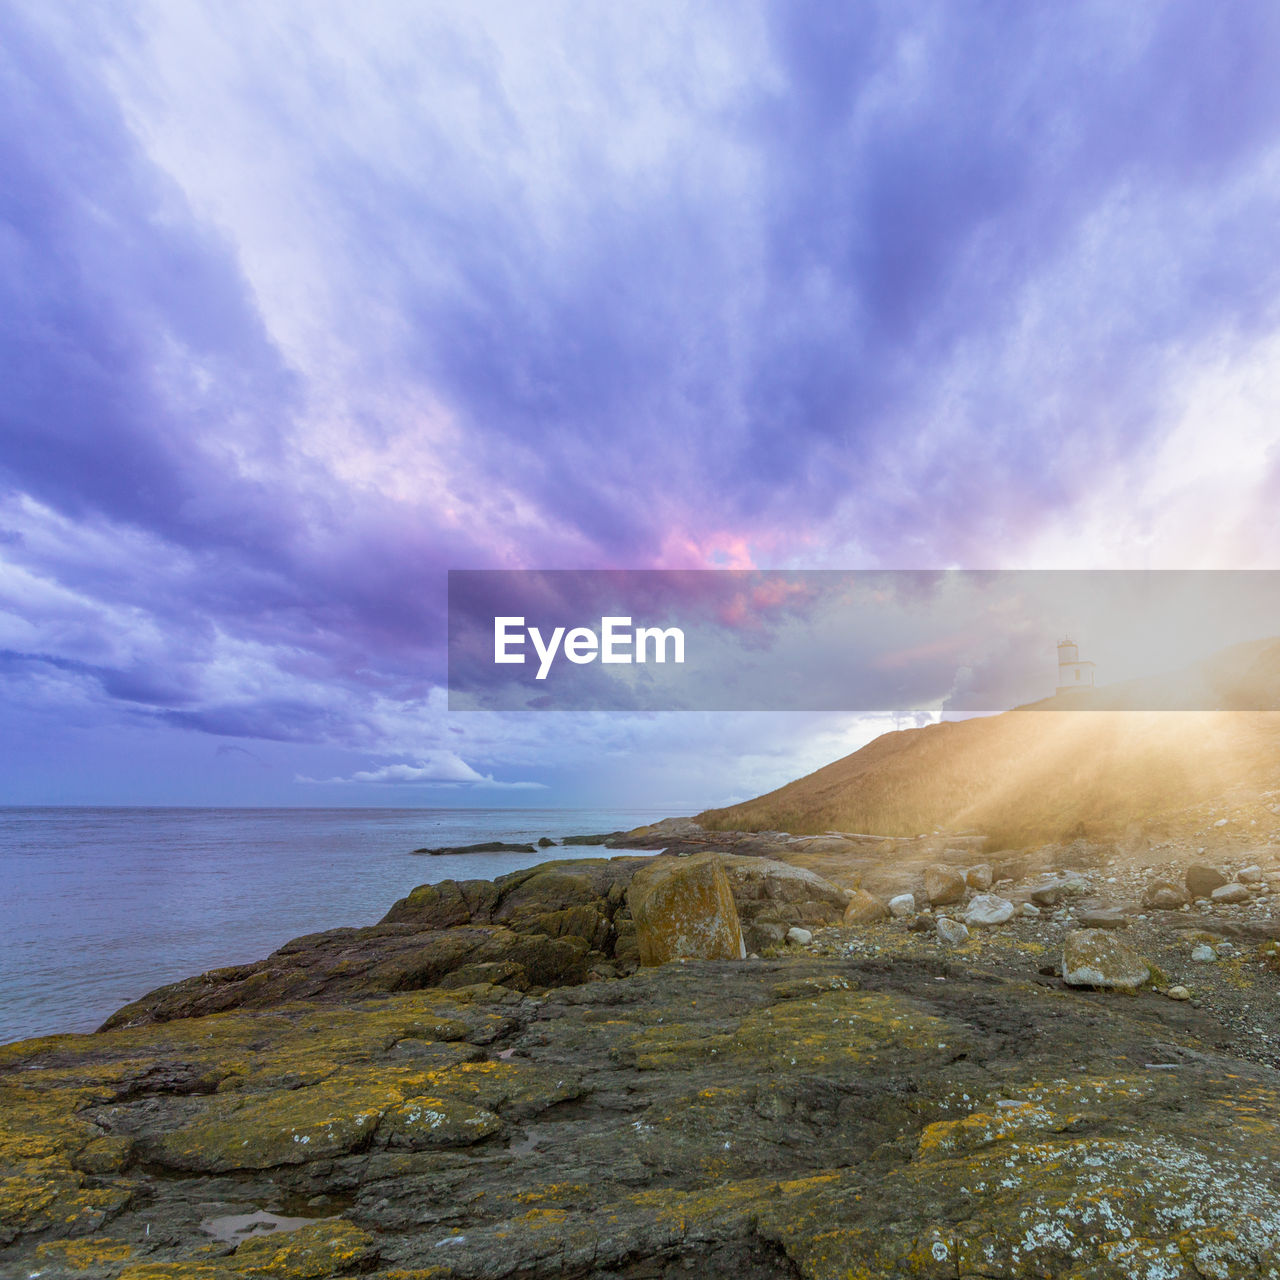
[1043, 773]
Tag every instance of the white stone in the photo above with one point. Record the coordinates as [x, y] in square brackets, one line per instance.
[801, 937]
[988, 909]
[1029, 909]
[902, 905]
[1250, 875]
[1202, 953]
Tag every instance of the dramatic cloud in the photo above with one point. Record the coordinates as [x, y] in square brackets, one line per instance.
[303, 305]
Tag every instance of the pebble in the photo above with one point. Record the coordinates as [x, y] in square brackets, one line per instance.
[902, 905]
[1178, 993]
[1202, 953]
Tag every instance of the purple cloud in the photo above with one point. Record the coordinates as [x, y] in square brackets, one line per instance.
[297, 312]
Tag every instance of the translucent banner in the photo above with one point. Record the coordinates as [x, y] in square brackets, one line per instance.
[861, 641]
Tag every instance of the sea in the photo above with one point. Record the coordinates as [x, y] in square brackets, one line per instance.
[98, 906]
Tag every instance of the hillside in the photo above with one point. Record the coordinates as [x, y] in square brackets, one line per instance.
[1043, 772]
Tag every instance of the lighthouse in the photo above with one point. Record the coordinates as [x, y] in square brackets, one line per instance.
[1072, 673]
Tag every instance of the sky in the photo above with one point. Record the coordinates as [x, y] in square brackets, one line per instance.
[304, 305]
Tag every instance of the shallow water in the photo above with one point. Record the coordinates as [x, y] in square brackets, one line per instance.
[98, 906]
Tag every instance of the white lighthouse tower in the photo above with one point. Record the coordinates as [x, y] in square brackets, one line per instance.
[1072, 673]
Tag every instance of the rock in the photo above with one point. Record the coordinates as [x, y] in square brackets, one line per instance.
[1094, 958]
[865, 908]
[695, 1093]
[773, 896]
[923, 923]
[1008, 868]
[1029, 910]
[1201, 880]
[1250, 875]
[667, 829]
[943, 885]
[902, 905]
[979, 878]
[988, 909]
[1231, 894]
[1052, 890]
[683, 909]
[1178, 993]
[331, 1246]
[800, 937]
[1164, 895]
[1102, 918]
[952, 932]
[487, 846]
[545, 842]
[1203, 953]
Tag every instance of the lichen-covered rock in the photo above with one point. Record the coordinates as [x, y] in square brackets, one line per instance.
[683, 909]
[330, 1248]
[806, 1116]
[1096, 958]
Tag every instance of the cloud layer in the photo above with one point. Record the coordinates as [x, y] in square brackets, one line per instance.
[303, 306]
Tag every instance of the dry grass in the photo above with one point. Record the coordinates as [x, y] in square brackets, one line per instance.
[1028, 776]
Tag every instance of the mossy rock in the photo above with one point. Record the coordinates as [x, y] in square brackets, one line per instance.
[327, 1248]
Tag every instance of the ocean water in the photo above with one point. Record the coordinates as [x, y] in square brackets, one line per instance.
[98, 906]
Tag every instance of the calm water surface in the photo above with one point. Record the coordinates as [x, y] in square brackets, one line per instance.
[98, 906]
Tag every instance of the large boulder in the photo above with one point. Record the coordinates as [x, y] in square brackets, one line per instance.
[1097, 958]
[944, 885]
[775, 897]
[683, 909]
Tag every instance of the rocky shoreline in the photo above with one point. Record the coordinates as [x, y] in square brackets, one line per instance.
[899, 1079]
